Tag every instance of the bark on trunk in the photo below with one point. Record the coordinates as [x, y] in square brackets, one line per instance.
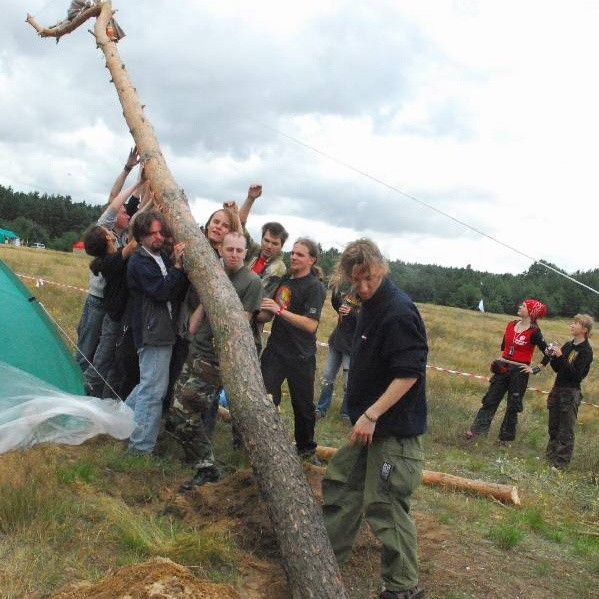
[504, 493]
[309, 561]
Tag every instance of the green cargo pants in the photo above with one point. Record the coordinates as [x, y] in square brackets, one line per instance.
[377, 482]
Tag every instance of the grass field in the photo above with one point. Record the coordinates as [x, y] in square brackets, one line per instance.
[77, 513]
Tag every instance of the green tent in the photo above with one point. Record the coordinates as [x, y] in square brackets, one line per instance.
[30, 340]
[6, 234]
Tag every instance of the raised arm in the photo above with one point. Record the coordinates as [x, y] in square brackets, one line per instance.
[132, 160]
[254, 192]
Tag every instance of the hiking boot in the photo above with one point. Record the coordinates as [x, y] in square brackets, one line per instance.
[318, 414]
[309, 457]
[414, 593]
[503, 443]
[469, 435]
[202, 476]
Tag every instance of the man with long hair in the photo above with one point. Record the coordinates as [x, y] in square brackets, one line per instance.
[376, 473]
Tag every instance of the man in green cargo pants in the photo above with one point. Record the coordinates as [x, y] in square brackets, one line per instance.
[375, 474]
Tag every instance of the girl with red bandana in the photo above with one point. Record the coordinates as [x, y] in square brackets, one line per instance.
[511, 371]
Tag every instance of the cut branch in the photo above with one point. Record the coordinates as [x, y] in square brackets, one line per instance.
[503, 493]
[65, 26]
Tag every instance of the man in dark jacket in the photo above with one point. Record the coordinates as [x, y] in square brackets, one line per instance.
[377, 472]
[572, 363]
[154, 282]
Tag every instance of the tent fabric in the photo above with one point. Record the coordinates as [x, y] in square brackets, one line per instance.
[32, 411]
[30, 341]
[6, 234]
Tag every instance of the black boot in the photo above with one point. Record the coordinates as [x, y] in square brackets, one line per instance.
[415, 593]
[204, 475]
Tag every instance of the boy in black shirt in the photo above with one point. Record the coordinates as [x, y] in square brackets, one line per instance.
[572, 363]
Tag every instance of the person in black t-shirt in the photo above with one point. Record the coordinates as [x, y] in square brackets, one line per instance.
[572, 363]
[290, 353]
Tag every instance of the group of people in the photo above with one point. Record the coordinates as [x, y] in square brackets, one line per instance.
[144, 336]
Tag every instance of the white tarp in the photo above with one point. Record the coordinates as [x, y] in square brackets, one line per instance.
[32, 411]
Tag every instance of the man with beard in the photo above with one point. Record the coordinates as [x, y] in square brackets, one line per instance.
[154, 282]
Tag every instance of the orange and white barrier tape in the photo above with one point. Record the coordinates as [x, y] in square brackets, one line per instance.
[487, 378]
[41, 282]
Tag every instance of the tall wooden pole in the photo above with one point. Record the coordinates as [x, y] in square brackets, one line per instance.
[296, 517]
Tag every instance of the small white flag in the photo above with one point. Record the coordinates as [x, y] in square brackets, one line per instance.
[481, 306]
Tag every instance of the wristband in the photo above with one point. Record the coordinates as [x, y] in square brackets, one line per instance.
[373, 420]
[536, 370]
[127, 168]
[281, 309]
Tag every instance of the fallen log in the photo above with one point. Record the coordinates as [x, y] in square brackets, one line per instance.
[504, 493]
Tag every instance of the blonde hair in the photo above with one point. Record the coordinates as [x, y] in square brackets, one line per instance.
[234, 225]
[586, 321]
[362, 254]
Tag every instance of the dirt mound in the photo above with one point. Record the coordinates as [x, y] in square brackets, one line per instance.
[156, 579]
[236, 500]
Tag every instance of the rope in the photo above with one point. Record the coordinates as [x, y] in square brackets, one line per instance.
[74, 345]
[421, 202]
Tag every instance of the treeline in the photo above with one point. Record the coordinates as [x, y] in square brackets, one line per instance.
[501, 293]
[55, 221]
[58, 222]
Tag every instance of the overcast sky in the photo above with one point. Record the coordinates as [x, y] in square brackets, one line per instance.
[486, 111]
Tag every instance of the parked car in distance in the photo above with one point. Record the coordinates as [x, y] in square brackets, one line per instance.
[38, 246]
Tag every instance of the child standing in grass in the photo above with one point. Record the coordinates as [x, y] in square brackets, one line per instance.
[510, 373]
[572, 363]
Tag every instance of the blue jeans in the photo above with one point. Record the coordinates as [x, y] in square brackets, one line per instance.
[88, 330]
[95, 376]
[146, 398]
[335, 359]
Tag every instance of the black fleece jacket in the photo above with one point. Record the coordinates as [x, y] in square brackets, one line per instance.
[573, 365]
[389, 343]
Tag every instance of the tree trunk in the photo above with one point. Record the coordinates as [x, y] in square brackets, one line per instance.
[309, 561]
[504, 493]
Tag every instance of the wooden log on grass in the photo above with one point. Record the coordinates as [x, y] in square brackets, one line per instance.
[504, 493]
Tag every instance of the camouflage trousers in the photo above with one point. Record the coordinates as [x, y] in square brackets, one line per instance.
[192, 417]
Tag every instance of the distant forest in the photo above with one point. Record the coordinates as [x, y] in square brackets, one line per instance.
[55, 221]
[58, 222]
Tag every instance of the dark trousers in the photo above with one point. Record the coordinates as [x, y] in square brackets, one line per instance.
[299, 374]
[514, 383]
[562, 404]
[124, 374]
